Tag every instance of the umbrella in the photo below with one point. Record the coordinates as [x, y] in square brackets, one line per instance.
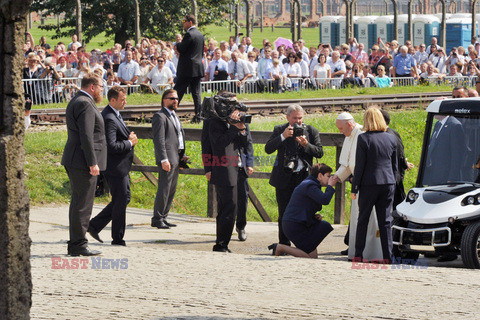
[287, 43]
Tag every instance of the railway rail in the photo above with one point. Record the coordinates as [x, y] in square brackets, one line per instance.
[144, 113]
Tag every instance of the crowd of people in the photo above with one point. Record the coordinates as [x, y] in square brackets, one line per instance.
[154, 62]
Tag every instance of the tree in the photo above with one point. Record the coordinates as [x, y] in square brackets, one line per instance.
[15, 277]
[158, 18]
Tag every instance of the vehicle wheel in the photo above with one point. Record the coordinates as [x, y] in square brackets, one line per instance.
[471, 246]
[407, 257]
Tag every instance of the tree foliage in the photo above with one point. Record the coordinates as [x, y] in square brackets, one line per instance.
[160, 19]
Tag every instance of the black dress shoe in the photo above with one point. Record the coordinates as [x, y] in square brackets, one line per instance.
[171, 225]
[160, 224]
[195, 119]
[82, 251]
[94, 235]
[273, 247]
[218, 248]
[344, 252]
[242, 235]
[119, 243]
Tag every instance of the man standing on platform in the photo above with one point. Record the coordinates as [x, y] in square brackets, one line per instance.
[296, 145]
[169, 143]
[190, 67]
[85, 154]
[120, 143]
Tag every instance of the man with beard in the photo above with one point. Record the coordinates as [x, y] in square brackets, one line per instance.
[169, 143]
[85, 154]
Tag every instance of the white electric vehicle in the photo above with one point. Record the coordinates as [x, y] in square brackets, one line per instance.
[442, 212]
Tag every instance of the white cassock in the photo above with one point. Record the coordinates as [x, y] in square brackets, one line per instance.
[373, 246]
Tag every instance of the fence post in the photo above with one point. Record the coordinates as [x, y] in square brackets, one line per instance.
[339, 217]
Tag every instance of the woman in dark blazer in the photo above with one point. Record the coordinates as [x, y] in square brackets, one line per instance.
[374, 180]
[301, 224]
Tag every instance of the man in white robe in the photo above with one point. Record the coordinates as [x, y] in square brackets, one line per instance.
[351, 130]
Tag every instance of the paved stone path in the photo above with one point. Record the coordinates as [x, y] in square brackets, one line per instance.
[172, 274]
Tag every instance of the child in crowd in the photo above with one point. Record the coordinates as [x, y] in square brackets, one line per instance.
[276, 73]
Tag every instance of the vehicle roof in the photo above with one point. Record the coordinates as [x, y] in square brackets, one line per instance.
[455, 106]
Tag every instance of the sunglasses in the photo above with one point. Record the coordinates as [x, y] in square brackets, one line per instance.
[160, 61]
[171, 98]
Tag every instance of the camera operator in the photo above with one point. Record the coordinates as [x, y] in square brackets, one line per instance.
[296, 145]
[226, 138]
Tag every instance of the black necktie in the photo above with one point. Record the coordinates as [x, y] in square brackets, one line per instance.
[119, 116]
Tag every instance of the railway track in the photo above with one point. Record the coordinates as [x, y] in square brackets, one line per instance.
[268, 107]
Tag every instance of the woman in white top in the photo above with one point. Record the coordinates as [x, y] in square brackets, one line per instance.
[160, 76]
[252, 64]
[322, 71]
[293, 70]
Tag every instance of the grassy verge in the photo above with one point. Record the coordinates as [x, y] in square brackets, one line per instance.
[147, 99]
[48, 183]
[310, 35]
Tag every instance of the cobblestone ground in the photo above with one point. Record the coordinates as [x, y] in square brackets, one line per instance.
[172, 274]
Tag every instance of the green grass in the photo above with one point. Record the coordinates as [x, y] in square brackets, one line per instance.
[48, 183]
[148, 99]
[310, 35]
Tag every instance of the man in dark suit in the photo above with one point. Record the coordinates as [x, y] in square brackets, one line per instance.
[225, 139]
[296, 151]
[169, 143]
[190, 66]
[120, 143]
[446, 152]
[85, 154]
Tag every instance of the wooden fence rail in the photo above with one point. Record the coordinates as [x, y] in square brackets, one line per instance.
[258, 137]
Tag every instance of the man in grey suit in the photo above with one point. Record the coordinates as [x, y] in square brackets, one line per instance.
[169, 143]
[85, 154]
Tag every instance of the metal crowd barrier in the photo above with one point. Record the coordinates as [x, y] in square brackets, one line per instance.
[44, 91]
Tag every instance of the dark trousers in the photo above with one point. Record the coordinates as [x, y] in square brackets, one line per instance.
[194, 84]
[226, 213]
[167, 185]
[83, 186]
[242, 199]
[283, 198]
[399, 194]
[380, 197]
[115, 211]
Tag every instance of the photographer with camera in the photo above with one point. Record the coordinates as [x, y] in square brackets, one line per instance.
[224, 138]
[296, 145]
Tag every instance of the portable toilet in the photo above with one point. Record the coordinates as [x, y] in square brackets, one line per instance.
[342, 29]
[367, 31]
[439, 16]
[425, 27]
[459, 32]
[328, 29]
[385, 28]
[402, 22]
[461, 15]
[477, 19]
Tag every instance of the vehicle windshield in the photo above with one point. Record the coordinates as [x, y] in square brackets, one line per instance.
[453, 151]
